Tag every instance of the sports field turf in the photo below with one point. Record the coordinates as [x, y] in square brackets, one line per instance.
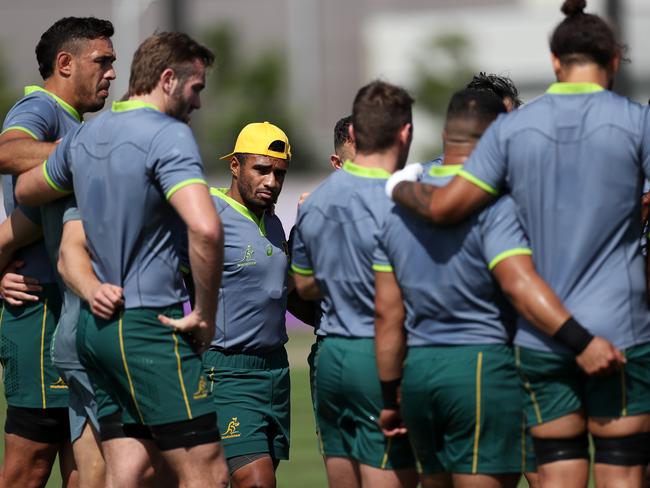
[305, 469]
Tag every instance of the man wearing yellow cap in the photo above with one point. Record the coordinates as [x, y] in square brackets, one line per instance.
[247, 363]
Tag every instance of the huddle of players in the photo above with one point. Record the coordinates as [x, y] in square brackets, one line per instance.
[386, 281]
[546, 213]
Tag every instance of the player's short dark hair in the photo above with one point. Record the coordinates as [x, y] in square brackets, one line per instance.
[582, 37]
[481, 105]
[65, 34]
[341, 132]
[161, 51]
[501, 86]
[379, 111]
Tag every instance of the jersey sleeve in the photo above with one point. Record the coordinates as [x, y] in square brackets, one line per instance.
[487, 166]
[300, 260]
[502, 233]
[33, 115]
[175, 159]
[380, 261]
[57, 169]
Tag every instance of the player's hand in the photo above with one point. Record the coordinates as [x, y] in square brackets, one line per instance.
[200, 330]
[391, 423]
[600, 357]
[411, 172]
[16, 288]
[302, 198]
[105, 300]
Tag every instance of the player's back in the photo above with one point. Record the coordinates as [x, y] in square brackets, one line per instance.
[126, 165]
[573, 168]
[339, 225]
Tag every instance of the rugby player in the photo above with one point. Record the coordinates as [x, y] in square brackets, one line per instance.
[142, 155]
[75, 57]
[336, 236]
[574, 160]
[460, 393]
[247, 363]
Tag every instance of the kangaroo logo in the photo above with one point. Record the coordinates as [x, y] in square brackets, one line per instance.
[202, 390]
[249, 257]
[59, 384]
[231, 431]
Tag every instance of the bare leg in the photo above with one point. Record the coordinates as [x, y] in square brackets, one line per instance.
[485, 481]
[372, 477]
[533, 479]
[27, 463]
[441, 480]
[571, 473]
[199, 466]
[342, 472]
[258, 474]
[611, 476]
[68, 466]
[128, 462]
[89, 459]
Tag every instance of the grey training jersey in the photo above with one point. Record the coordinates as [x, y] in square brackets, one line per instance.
[337, 235]
[253, 293]
[444, 273]
[574, 161]
[124, 166]
[45, 117]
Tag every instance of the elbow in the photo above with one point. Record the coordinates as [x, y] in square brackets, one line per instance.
[442, 214]
[307, 288]
[517, 290]
[206, 231]
[22, 196]
[61, 264]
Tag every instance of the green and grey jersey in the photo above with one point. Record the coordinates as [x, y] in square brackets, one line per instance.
[337, 234]
[124, 166]
[47, 118]
[444, 272]
[574, 161]
[253, 293]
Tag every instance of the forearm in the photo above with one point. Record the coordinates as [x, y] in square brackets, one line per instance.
[417, 197]
[75, 267]
[22, 154]
[206, 262]
[15, 232]
[390, 335]
[307, 287]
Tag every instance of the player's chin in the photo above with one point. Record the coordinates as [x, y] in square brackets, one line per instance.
[98, 104]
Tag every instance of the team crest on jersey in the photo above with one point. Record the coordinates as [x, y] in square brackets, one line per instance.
[231, 432]
[249, 257]
[202, 389]
[59, 385]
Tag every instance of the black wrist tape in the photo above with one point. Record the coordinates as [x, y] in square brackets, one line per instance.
[573, 335]
[389, 392]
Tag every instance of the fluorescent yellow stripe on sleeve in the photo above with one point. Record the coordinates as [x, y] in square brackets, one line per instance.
[23, 129]
[519, 251]
[183, 184]
[302, 271]
[382, 268]
[51, 182]
[480, 183]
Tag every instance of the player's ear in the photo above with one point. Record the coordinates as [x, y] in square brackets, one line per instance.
[234, 166]
[335, 161]
[405, 133]
[63, 63]
[353, 139]
[168, 81]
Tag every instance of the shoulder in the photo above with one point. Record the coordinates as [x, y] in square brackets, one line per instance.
[35, 105]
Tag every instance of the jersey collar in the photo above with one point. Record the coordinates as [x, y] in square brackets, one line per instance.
[444, 171]
[64, 105]
[364, 171]
[127, 105]
[238, 207]
[561, 88]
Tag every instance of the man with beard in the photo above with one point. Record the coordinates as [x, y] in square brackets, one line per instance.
[247, 363]
[137, 177]
[75, 57]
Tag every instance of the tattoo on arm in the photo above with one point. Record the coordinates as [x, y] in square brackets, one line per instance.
[415, 196]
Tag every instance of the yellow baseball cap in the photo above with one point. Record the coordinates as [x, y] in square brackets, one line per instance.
[262, 138]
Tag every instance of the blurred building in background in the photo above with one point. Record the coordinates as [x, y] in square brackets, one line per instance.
[299, 63]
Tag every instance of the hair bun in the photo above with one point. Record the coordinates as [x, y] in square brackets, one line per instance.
[573, 7]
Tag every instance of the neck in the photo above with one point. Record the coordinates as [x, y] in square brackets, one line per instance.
[64, 90]
[457, 152]
[585, 73]
[156, 98]
[386, 160]
[233, 192]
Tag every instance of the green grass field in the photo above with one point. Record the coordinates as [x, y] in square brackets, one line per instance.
[305, 468]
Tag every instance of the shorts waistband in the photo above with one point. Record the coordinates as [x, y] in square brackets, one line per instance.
[222, 358]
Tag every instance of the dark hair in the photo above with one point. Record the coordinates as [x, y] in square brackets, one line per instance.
[341, 132]
[64, 34]
[582, 37]
[163, 50]
[481, 105]
[379, 111]
[502, 86]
